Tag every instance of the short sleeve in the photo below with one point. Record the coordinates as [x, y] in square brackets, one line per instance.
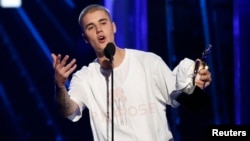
[78, 92]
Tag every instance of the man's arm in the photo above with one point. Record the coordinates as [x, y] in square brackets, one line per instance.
[66, 106]
[62, 72]
[189, 94]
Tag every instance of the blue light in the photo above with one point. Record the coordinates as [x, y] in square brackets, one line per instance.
[35, 33]
[207, 39]
[70, 3]
[237, 72]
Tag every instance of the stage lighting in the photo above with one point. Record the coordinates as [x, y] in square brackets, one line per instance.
[10, 3]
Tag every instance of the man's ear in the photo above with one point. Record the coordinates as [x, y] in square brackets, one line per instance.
[114, 27]
[85, 38]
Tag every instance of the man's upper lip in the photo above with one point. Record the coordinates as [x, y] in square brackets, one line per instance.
[100, 36]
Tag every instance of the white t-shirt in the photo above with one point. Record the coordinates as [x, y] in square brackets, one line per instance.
[143, 84]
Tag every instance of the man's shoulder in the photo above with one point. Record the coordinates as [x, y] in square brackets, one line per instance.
[87, 68]
[142, 53]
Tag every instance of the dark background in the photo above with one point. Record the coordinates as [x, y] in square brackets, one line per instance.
[175, 29]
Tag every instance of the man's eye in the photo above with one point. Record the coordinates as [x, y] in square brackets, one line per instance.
[103, 23]
[90, 27]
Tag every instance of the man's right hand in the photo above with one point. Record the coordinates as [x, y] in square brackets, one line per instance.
[62, 68]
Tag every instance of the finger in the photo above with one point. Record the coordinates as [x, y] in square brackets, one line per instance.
[198, 82]
[71, 70]
[54, 59]
[206, 84]
[53, 56]
[206, 77]
[205, 73]
[201, 84]
[58, 60]
[70, 65]
[65, 59]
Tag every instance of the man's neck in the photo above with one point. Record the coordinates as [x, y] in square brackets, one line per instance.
[117, 59]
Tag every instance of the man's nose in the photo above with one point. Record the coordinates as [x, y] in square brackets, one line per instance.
[98, 29]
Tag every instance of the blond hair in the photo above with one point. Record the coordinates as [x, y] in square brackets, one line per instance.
[92, 8]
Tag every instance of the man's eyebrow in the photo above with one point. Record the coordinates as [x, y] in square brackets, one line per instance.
[89, 24]
[101, 20]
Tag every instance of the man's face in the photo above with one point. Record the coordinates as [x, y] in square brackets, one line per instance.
[98, 29]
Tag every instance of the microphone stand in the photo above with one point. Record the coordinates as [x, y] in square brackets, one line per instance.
[112, 99]
[109, 52]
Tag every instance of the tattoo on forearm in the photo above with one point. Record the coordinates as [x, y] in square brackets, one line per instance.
[63, 100]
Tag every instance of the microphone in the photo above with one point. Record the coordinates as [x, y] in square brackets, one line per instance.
[109, 51]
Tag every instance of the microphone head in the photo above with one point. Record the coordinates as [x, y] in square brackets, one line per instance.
[109, 50]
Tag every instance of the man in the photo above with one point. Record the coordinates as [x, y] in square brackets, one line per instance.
[143, 85]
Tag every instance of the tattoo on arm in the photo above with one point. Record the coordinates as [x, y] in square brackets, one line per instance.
[63, 101]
